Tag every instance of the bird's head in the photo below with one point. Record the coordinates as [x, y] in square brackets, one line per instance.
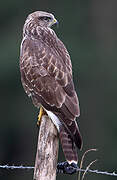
[41, 18]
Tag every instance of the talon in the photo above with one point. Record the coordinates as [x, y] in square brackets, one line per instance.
[41, 113]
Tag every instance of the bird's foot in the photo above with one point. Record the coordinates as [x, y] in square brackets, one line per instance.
[66, 168]
[41, 113]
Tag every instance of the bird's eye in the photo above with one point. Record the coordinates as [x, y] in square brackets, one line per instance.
[45, 18]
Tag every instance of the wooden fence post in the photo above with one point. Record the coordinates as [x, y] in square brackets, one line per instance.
[47, 151]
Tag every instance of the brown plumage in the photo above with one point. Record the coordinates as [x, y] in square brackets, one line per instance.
[46, 75]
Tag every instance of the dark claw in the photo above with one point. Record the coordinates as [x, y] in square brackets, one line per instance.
[66, 168]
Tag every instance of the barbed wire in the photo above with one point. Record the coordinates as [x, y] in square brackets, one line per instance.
[78, 169]
[16, 167]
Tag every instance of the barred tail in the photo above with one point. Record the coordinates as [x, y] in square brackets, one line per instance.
[68, 146]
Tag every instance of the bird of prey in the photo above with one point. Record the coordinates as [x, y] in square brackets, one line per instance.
[46, 75]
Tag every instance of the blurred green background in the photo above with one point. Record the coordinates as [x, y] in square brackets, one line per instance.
[88, 28]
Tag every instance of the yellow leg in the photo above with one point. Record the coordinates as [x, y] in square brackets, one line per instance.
[41, 113]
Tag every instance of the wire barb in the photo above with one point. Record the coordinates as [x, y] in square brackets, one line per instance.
[78, 169]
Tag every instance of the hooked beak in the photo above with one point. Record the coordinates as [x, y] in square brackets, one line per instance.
[54, 21]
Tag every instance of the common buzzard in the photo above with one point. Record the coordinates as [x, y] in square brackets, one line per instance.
[46, 75]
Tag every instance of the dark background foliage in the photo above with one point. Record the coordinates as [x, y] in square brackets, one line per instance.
[89, 30]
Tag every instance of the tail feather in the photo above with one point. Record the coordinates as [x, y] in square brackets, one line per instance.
[68, 146]
[73, 129]
[76, 134]
[78, 138]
